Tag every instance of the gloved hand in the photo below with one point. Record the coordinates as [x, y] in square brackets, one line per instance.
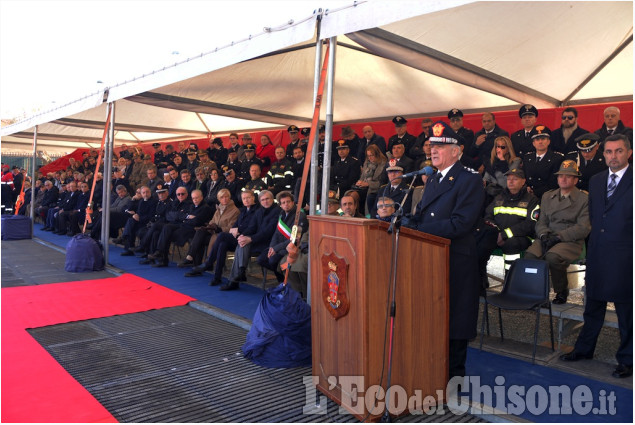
[549, 241]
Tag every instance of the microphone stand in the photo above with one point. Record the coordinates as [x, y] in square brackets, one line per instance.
[394, 228]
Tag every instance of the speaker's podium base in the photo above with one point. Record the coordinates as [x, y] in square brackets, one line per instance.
[350, 288]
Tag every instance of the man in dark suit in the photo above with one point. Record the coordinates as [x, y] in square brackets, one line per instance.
[370, 138]
[484, 139]
[563, 139]
[609, 272]
[450, 207]
[613, 125]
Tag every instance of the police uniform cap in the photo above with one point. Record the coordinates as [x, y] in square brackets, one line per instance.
[293, 129]
[156, 145]
[541, 131]
[527, 109]
[161, 188]
[455, 113]
[568, 168]
[249, 147]
[342, 144]
[399, 121]
[305, 131]
[518, 172]
[392, 166]
[333, 198]
[442, 134]
[202, 152]
[587, 142]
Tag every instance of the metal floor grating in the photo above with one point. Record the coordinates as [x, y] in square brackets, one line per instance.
[182, 365]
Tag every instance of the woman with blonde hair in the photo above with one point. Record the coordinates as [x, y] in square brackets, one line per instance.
[225, 216]
[502, 159]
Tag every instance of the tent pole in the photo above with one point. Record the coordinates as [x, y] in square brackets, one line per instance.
[107, 178]
[330, 84]
[32, 203]
[316, 143]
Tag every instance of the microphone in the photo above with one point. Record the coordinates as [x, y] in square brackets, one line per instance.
[427, 170]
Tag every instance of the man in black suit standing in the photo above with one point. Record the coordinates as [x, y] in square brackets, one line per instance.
[450, 208]
[609, 272]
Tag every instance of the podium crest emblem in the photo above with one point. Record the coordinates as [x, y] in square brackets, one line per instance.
[334, 285]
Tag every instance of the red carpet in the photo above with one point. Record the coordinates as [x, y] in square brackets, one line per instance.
[35, 388]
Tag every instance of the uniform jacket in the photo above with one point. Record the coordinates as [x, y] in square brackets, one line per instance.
[246, 165]
[280, 176]
[467, 135]
[515, 215]
[587, 169]
[450, 209]
[609, 267]
[522, 143]
[344, 173]
[255, 186]
[397, 194]
[540, 175]
[408, 142]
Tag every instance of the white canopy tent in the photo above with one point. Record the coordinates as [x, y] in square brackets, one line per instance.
[410, 58]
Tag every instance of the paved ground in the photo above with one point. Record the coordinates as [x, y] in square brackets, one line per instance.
[170, 365]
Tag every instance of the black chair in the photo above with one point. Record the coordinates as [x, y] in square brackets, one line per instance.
[526, 288]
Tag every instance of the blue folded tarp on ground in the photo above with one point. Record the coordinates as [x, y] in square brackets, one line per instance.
[280, 335]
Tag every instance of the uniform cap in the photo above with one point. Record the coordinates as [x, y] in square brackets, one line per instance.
[455, 113]
[527, 109]
[293, 129]
[568, 168]
[518, 172]
[587, 142]
[392, 166]
[442, 134]
[156, 145]
[249, 147]
[342, 144]
[399, 121]
[542, 131]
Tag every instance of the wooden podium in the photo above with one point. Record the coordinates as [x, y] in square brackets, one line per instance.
[350, 353]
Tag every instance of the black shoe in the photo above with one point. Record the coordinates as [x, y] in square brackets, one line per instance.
[161, 264]
[231, 286]
[279, 276]
[242, 276]
[622, 371]
[561, 298]
[185, 263]
[117, 241]
[127, 253]
[196, 271]
[216, 282]
[155, 255]
[147, 261]
[139, 249]
[574, 356]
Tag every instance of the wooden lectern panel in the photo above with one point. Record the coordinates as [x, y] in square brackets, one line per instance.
[356, 345]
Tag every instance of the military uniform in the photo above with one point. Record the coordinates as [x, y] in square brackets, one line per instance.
[450, 208]
[587, 168]
[540, 174]
[246, 165]
[566, 218]
[255, 186]
[160, 160]
[397, 194]
[280, 176]
[344, 172]
[408, 140]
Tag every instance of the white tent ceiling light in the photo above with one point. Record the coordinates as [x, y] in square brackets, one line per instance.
[424, 59]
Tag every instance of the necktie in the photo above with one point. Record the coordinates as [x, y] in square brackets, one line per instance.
[611, 132]
[527, 133]
[437, 177]
[612, 185]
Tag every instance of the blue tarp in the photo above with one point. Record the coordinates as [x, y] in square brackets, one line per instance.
[280, 335]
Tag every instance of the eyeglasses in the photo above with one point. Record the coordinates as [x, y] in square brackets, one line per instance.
[570, 118]
[501, 147]
[385, 205]
[181, 194]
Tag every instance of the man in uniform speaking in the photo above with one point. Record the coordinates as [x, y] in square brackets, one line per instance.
[451, 204]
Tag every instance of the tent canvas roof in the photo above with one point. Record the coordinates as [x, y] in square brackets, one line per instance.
[393, 58]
